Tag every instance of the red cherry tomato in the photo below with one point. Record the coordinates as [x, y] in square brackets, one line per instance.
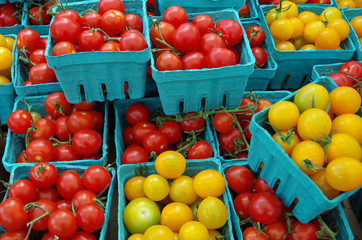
[240, 179]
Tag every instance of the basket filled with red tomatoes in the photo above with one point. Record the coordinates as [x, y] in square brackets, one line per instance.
[231, 131]
[30, 71]
[69, 202]
[199, 6]
[308, 146]
[248, 11]
[265, 65]
[354, 17]
[31, 16]
[257, 211]
[49, 128]
[7, 92]
[95, 56]
[192, 206]
[214, 75]
[305, 35]
[143, 131]
[10, 18]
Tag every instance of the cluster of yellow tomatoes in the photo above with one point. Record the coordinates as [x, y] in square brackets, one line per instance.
[325, 144]
[349, 3]
[6, 58]
[292, 30]
[356, 24]
[166, 205]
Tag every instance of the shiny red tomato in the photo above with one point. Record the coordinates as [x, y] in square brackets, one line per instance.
[166, 29]
[256, 35]
[90, 217]
[231, 30]
[137, 112]
[56, 104]
[262, 186]
[209, 41]
[200, 150]
[175, 15]
[62, 223]
[68, 184]
[61, 128]
[244, 11]
[81, 235]
[42, 73]
[241, 204]
[231, 142]
[65, 152]
[65, 29]
[307, 231]
[140, 130]
[62, 48]
[240, 179]
[265, 208]
[252, 234]
[28, 39]
[193, 60]
[172, 130]
[64, 204]
[12, 214]
[13, 235]
[223, 122]
[113, 22]
[44, 128]
[155, 141]
[195, 124]
[80, 120]
[186, 37]
[134, 22]
[48, 193]
[204, 23]
[105, 5]
[19, 121]
[35, 16]
[24, 190]
[36, 212]
[261, 57]
[70, 14]
[276, 230]
[132, 40]
[341, 79]
[98, 120]
[90, 40]
[220, 57]
[96, 178]
[168, 61]
[91, 20]
[37, 56]
[134, 154]
[40, 150]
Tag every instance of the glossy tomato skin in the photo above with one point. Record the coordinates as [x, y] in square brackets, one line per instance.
[223, 122]
[341, 79]
[87, 142]
[13, 235]
[19, 121]
[35, 20]
[200, 150]
[81, 235]
[134, 154]
[220, 57]
[40, 150]
[132, 40]
[252, 234]
[166, 30]
[232, 31]
[37, 56]
[276, 230]
[68, 184]
[241, 204]
[227, 141]
[63, 204]
[61, 128]
[65, 152]
[168, 61]
[155, 141]
[12, 214]
[134, 22]
[47, 193]
[196, 124]
[186, 37]
[204, 23]
[98, 120]
[240, 179]
[172, 130]
[140, 130]
[105, 5]
[42, 73]
[80, 120]
[352, 69]
[62, 223]
[92, 20]
[96, 178]
[90, 40]
[24, 190]
[28, 38]
[261, 57]
[54, 99]
[210, 40]
[137, 112]
[265, 208]
[83, 197]
[303, 231]
[62, 48]
[175, 15]
[113, 22]
[44, 129]
[90, 217]
[65, 29]
[41, 224]
[193, 60]
[256, 36]
[262, 186]
[71, 14]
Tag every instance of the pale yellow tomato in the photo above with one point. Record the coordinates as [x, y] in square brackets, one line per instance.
[314, 123]
[170, 164]
[347, 4]
[182, 190]
[10, 43]
[312, 29]
[212, 213]
[158, 232]
[285, 46]
[350, 124]
[193, 231]
[298, 27]
[341, 26]
[343, 145]
[273, 15]
[136, 236]
[308, 47]
[307, 16]
[330, 13]
[4, 80]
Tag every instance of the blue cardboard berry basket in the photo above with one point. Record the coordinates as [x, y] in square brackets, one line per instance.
[126, 172]
[15, 142]
[295, 66]
[91, 71]
[356, 203]
[183, 90]
[191, 6]
[349, 14]
[259, 79]
[325, 70]
[154, 105]
[20, 76]
[22, 172]
[7, 95]
[278, 167]
[253, 11]
[336, 215]
[272, 96]
[13, 29]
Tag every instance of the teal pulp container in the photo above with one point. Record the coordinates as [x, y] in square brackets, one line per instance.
[94, 71]
[325, 70]
[278, 167]
[15, 143]
[22, 172]
[296, 66]
[253, 11]
[336, 215]
[126, 172]
[349, 14]
[183, 90]
[259, 79]
[154, 105]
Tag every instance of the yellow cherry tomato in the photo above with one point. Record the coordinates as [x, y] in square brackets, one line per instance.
[176, 214]
[209, 183]
[158, 232]
[281, 29]
[328, 38]
[321, 181]
[344, 174]
[273, 15]
[134, 188]
[286, 141]
[290, 8]
[2, 41]
[299, 42]
[10, 43]
[347, 4]
[170, 164]
[6, 73]
[343, 145]
[6, 58]
[214, 234]
[283, 115]
[307, 16]
[358, 3]
[177, 236]
[345, 100]
[156, 187]
[182, 190]
[356, 24]
[339, 48]
[308, 150]
[4, 80]
[299, 1]
[341, 26]
[308, 47]
[193, 231]
[312, 29]
[311, 95]
[136, 236]
[285, 46]
[298, 27]
[314, 123]
[330, 13]
[212, 213]
[350, 124]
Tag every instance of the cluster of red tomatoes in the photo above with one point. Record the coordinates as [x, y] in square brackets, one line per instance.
[321, 133]
[233, 128]
[109, 29]
[76, 129]
[144, 139]
[38, 12]
[49, 205]
[256, 202]
[31, 51]
[190, 205]
[256, 37]
[10, 14]
[197, 45]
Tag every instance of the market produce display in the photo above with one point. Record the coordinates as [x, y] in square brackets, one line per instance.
[238, 119]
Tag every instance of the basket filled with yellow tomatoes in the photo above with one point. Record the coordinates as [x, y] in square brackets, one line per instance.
[309, 144]
[354, 17]
[349, 3]
[172, 197]
[7, 92]
[303, 36]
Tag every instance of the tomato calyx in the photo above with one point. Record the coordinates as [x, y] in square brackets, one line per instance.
[162, 41]
[324, 228]
[27, 134]
[141, 170]
[31, 223]
[255, 224]
[57, 142]
[287, 138]
[325, 143]
[59, 5]
[189, 142]
[309, 164]
[40, 8]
